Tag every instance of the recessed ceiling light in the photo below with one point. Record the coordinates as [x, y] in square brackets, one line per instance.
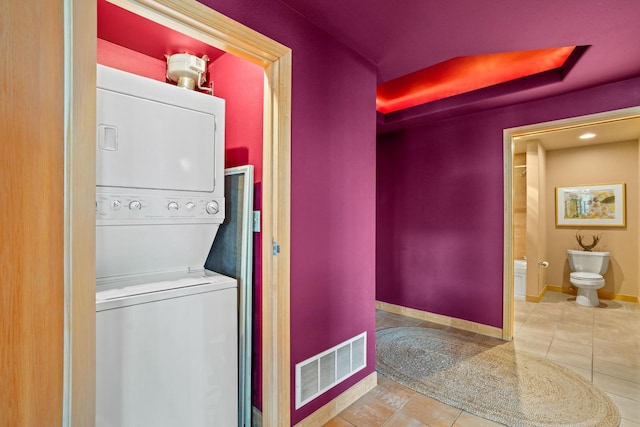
[587, 135]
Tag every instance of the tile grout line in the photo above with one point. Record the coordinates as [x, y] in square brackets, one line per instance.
[459, 415]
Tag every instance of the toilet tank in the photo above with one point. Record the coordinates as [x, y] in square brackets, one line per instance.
[588, 262]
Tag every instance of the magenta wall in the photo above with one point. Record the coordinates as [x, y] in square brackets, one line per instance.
[332, 187]
[440, 204]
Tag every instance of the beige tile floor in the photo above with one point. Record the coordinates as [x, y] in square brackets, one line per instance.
[602, 344]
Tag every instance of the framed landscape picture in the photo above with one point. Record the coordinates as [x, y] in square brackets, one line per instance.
[591, 205]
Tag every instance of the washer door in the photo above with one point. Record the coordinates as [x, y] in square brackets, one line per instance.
[167, 363]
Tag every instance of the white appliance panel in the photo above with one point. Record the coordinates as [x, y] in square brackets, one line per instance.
[156, 136]
[134, 208]
[139, 250]
[149, 144]
[172, 362]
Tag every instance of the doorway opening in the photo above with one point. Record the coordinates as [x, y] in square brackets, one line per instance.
[534, 133]
[201, 23]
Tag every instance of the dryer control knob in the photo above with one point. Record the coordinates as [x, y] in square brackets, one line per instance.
[213, 207]
[135, 205]
[115, 205]
[173, 206]
[190, 206]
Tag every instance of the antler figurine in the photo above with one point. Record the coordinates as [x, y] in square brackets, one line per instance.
[587, 248]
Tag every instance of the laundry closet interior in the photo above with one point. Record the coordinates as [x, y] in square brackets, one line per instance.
[130, 43]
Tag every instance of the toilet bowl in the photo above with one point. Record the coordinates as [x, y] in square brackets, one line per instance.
[587, 270]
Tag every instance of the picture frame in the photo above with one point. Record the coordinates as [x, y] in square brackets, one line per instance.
[602, 205]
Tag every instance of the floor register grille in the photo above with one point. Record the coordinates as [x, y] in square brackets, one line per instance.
[319, 373]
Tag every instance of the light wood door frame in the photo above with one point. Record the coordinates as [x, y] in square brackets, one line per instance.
[78, 407]
[509, 135]
[32, 195]
[202, 23]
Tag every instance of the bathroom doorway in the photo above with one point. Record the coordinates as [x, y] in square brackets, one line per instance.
[530, 200]
[538, 138]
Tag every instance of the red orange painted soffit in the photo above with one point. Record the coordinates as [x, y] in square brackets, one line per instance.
[465, 74]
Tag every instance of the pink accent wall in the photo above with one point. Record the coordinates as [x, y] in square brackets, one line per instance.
[333, 193]
[440, 204]
[115, 56]
[124, 28]
[241, 84]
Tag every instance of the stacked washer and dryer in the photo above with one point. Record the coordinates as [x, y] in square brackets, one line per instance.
[166, 328]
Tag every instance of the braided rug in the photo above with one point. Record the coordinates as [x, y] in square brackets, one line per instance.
[491, 381]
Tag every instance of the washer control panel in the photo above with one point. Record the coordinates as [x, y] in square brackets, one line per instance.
[139, 208]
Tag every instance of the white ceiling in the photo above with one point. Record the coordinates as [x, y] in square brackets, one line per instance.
[614, 131]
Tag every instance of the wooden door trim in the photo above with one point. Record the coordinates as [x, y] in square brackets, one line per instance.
[79, 213]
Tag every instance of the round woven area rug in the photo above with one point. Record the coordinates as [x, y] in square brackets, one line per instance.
[491, 381]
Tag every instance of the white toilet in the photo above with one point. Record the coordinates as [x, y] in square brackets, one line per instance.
[587, 270]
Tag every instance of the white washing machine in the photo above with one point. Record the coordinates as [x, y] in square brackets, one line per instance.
[165, 354]
[166, 329]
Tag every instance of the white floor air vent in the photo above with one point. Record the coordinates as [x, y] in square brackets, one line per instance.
[319, 373]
